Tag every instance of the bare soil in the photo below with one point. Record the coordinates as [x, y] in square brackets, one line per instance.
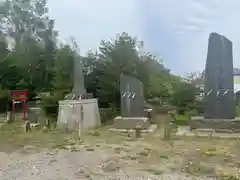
[101, 154]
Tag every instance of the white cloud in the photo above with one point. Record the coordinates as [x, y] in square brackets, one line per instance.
[91, 21]
[176, 30]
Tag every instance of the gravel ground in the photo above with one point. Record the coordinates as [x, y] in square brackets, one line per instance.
[98, 164]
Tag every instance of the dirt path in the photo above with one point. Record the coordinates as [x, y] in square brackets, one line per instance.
[106, 155]
[98, 163]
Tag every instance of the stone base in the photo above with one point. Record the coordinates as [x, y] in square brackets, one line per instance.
[131, 122]
[219, 125]
[184, 131]
[151, 129]
[78, 114]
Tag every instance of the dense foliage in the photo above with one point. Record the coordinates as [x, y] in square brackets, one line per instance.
[31, 58]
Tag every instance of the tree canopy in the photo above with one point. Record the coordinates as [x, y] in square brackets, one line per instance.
[31, 58]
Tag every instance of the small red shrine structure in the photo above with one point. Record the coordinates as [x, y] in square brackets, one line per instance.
[17, 97]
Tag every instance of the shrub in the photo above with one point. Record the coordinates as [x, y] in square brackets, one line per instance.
[4, 100]
[238, 111]
[181, 110]
[108, 114]
[50, 103]
[192, 112]
[198, 107]
[164, 109]
[181, 120]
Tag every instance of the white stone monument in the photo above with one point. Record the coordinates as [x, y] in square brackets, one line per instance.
[76, 112]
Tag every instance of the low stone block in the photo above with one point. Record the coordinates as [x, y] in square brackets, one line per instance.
[223, 125]
[131, 122]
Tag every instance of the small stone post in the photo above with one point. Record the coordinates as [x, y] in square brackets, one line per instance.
[80, 121]
[65, 127]
[9, 117]
[48, 123]
[149, 114]
[27, 126]
[168, 126]
[167, 131]
[138, 132]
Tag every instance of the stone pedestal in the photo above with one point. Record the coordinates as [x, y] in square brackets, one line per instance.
[226, 125]
[131, 122]
[10, 117]
[73, 114]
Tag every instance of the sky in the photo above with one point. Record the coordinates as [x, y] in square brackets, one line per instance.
[175, 30]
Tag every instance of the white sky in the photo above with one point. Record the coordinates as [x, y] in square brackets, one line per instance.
[175, 30]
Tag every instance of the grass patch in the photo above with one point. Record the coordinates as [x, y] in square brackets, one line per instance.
[13, 134]
[181, 120]
[192, 155]
[155, 171]
[197, 156]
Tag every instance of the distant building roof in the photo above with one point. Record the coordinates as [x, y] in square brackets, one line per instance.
[236, 71]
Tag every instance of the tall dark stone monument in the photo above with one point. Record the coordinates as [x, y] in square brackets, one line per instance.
[219, 89]
[132, 98]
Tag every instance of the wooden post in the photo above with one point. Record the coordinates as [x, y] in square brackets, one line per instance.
[167, 129]
[9, 117]
[13, 110]
[149, 114]
[27, 126]
[80, 121]
[48, 123]
[25, 109]
[138, 132]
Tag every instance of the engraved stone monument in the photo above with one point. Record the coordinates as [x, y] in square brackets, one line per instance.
[132, 104]
[219, 100]
[77, 112]
[218, 87]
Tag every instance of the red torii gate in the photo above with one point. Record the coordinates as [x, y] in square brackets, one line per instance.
[19, 95]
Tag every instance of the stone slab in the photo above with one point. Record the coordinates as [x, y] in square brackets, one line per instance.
[152, 128]
[185, 131]
[131, 122]
[76, 114]
[220, 125]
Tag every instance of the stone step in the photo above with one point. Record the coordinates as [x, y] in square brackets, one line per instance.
[131, 122]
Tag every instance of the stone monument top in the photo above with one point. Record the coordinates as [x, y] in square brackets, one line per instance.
[78, 78]
[78, 90]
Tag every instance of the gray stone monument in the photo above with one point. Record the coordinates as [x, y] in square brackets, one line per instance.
[78, 111]
[78, 91]
[78, 79]
[33, 114]
[132, 98]
[132, 104]
[218, 87]
[219, 100]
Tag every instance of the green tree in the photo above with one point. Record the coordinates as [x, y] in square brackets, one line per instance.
[26, 25]
[31, 59]
[115, 57]
[63, 68]
[122, 55]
